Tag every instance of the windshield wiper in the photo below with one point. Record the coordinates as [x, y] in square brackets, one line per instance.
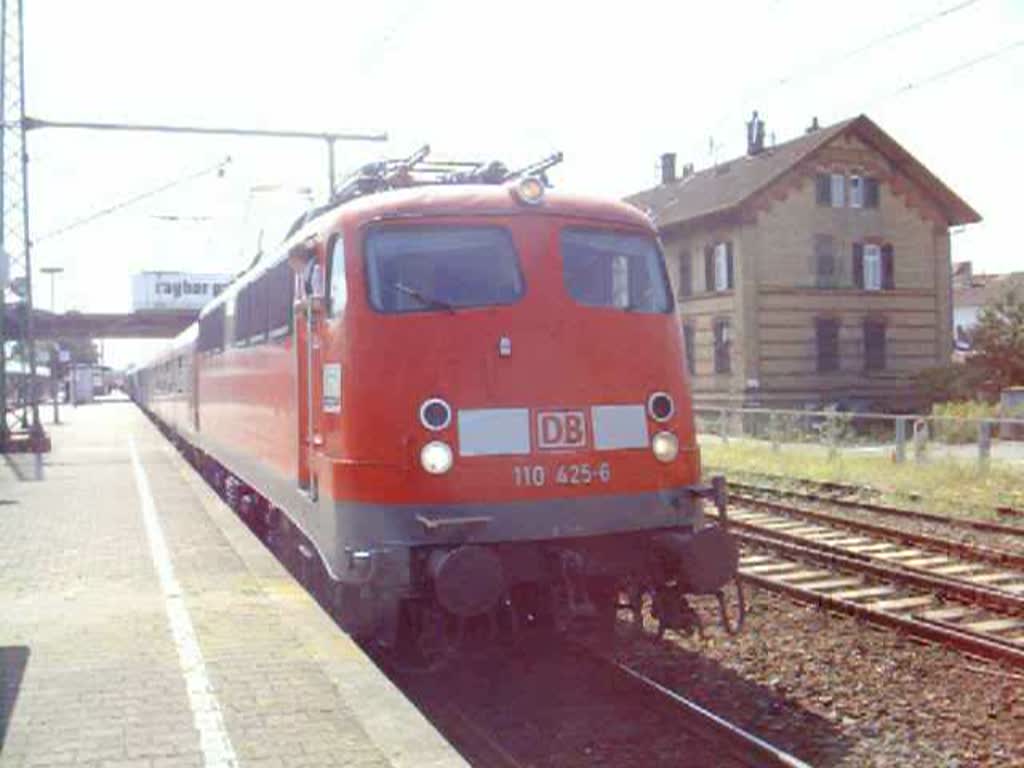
[427, 301]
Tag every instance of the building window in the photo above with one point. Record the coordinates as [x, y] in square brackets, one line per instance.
[873, 267]
[838, 190]
[718, 267]
[685, 274]
[870, 193]
[874, 345]
[691, 356]
[831, 190]
[827, 338]
[723, 346]
[825, 272]
[856, 192]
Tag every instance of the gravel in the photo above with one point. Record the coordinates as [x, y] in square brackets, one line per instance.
[837, 692]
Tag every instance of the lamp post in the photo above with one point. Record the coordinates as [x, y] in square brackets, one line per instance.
[52, 272]
[55, 353]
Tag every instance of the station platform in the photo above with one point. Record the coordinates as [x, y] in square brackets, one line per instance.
[143, 625]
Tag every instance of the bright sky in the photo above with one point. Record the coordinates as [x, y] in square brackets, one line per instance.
[612, 88]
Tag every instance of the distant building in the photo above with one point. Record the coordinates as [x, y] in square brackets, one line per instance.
[812, 272]
[972, 292]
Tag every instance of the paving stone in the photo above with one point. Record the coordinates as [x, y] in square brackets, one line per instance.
[90, 674]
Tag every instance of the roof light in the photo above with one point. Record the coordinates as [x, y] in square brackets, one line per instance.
[530, 190]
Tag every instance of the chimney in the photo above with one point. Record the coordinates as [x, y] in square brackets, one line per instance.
[668, 167]
[813, 126]
[755, 135]
[687, 170]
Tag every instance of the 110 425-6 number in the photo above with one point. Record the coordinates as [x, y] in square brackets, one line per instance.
[535, 476]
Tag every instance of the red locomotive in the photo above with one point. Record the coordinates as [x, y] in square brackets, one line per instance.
[467, 394]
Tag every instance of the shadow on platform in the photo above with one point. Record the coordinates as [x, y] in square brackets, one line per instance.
[13, 660]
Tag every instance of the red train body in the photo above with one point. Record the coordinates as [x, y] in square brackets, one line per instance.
[462, 397]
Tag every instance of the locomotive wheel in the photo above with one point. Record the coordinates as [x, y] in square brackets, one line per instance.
[423, 643]
[642, 617]
[604, 592]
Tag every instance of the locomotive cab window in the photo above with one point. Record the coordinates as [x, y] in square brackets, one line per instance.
[336, 285]
[616, 270]
[437, 269]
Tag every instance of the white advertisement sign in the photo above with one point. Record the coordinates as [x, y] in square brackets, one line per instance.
[175, 290]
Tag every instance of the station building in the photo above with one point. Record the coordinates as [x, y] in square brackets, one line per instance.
[813, 272]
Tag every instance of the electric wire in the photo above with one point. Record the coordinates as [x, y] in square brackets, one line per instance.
[88, 219]
[830, 61]
[947, 72]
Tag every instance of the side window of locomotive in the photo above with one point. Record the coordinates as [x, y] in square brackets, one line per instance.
[337, 286]
[616, 270]
[280, 287]
[211, 331]
[441, 268]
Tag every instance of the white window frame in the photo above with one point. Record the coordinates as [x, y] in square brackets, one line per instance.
[721, 267]
[339, 284]
[856, 191]
[872, 267]
[838, 190]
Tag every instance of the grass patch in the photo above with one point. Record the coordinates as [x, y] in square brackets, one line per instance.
[946, 486]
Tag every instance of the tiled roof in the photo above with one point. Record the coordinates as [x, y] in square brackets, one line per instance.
[986, 289]
[727, 185]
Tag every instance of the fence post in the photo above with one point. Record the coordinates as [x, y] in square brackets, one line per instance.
[773, 427]
[920, 439]
[984, 441]
[901, 440]
[724, 426]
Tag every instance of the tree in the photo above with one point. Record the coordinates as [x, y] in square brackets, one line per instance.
[998, 342]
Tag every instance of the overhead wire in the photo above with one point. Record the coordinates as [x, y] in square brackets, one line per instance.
[88, 219]
[829, 61]
[994, 54]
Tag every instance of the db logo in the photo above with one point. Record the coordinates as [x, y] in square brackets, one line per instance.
[561, 429]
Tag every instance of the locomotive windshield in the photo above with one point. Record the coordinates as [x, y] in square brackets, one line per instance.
[612, 269]
[422, 269]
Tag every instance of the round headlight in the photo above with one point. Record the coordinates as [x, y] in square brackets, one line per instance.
[530, 190]
[660, 406]
[436, 457]
[665, 446]
[435, 414]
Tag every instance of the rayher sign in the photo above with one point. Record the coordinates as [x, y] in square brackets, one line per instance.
[175, 290]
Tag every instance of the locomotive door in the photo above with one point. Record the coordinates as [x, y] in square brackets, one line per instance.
[309, 363]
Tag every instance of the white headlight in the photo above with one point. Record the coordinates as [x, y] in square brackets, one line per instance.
[665, 446]
[436, 457]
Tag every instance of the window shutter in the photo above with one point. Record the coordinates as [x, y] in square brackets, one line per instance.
[823, 183]
[824, 261]
[685, 274]
[888, 268]
[819, 339]
[709, 268]
[874, 345]
[870, 193]
[691, 365]
[858, 265]
[730, 275]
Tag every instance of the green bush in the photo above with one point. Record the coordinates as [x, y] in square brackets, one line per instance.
[957, 422]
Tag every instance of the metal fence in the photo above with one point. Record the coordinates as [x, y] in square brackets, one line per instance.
[899, 437]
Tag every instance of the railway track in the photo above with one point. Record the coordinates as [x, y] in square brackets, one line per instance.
[941, 590]
[1005, 529]
[615, 693]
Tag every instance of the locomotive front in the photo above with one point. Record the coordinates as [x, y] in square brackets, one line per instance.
[513, 425]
